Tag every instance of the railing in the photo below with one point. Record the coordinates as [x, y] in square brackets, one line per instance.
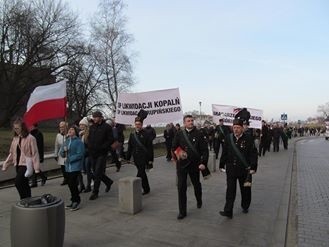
[50, 163]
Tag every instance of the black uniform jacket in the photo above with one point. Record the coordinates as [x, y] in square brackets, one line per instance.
[221, 132]
[100, 139]
[230, 160]
[198, 140]
[139, 153]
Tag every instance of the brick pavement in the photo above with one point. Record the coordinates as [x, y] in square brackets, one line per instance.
[312, 192]
[99, 223]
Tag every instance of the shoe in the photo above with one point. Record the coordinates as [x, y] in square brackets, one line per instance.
[145, 193]
[181, 216]
[93, 197]
[64, 182]
[118, 167]
[75, 206]
[43, 181]
[245, 210]
[33, 185]
[82, 189]
[226, 214]
[88, 189]
[108, 187]
[199, 204]
[69, 206]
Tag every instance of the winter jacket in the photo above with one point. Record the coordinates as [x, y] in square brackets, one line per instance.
[74, 155]
[29, 149]
[60, 139]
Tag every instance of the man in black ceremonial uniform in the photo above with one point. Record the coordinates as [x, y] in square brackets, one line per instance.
[221, 131]
[236, 168]
[190, 149]
[141, 148]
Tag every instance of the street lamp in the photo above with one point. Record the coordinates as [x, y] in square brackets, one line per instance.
[200, 110]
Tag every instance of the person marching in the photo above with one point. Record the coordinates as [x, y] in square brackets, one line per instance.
[221, 131]
[34, 131]
[140, 147]
[100, 140]
[73, 153]
[23, 154]
[239, 158]
[59, 141]
[190, 150]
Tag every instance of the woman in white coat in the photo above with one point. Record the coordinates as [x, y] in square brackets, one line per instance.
[60, 139]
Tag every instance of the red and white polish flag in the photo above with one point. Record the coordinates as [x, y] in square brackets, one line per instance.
[46, 102]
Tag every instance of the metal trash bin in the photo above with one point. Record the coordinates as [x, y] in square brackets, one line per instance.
[38, 222]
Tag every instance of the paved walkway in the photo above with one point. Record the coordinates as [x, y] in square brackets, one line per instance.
[99, 223]
[313, 192]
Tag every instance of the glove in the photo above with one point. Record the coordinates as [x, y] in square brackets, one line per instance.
[222, 170]
[252, 171]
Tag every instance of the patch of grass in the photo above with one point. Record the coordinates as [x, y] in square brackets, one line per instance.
[49, 136]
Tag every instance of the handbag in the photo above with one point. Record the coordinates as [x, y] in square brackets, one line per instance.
[29, 167]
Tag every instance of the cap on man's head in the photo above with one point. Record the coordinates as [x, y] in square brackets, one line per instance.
[238, 121]
[139, 119]
[97, 114]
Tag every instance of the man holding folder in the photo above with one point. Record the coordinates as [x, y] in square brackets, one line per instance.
[190, 150]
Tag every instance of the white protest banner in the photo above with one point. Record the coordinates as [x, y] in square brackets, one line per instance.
[163, 106]
[228, 113]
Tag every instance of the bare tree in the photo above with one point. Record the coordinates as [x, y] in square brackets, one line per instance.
[38, 39]
[83, 86]
[111, 50]
[324, 109]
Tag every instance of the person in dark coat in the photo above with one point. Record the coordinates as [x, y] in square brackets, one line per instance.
[100, 141]
[276, 133]
[140, 147]
[221, 131]
[118, 136]
[263, 139]
[236, 169]
[34, 131]
[191, 153]
[168, 135]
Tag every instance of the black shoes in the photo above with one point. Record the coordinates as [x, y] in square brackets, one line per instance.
[108, 187]
[64, 182]
[226, 214]
[245, 210]
[145, 193]
[88, 189]
[181, 216]
[93, 196]
[43, 181]
[199, 204]
[33, 185]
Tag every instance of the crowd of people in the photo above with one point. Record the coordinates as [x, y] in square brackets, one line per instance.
[83, 148]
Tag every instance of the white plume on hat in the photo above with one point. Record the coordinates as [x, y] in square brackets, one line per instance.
[84, 121]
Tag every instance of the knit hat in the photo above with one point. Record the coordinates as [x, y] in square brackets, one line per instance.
[84, 121]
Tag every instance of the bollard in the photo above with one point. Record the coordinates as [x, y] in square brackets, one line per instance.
[130, 195]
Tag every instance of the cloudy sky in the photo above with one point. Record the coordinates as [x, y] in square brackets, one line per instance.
[271, 55]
